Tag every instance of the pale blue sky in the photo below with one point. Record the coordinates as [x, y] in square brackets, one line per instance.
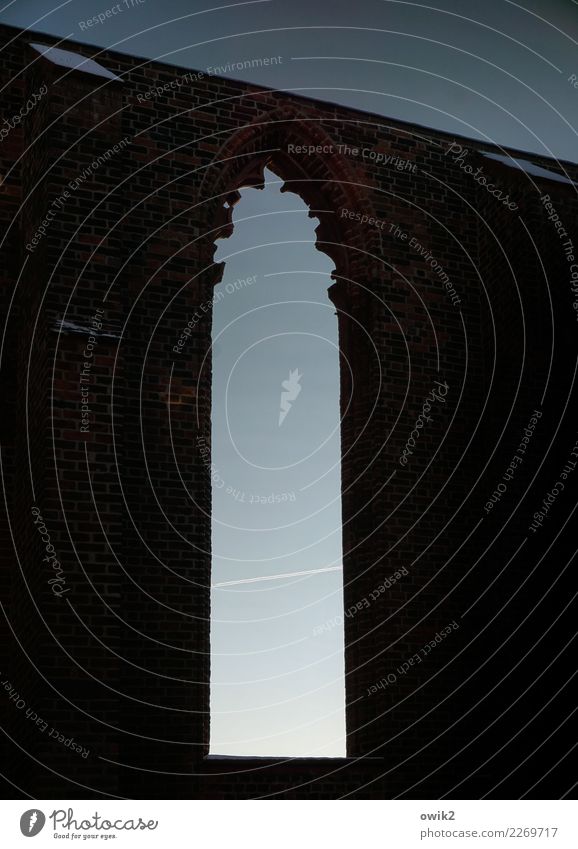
[277, 688]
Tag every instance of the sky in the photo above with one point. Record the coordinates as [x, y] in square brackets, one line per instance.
[500, 71]
[496, 70]
[277, 678]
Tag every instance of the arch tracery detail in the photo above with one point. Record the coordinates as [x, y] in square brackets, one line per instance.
[325, 180]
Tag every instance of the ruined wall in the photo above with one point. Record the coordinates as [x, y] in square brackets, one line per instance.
[449, 302]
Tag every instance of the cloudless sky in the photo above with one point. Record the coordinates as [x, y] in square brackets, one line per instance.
[277, 685]
[496, 70]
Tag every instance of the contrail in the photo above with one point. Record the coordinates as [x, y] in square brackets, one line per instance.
[276, 577]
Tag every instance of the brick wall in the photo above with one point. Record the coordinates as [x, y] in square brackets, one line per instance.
[120, 661]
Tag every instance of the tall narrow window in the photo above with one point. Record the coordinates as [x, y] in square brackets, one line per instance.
[277, 664]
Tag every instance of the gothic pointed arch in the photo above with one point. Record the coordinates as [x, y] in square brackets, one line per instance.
[294, 145]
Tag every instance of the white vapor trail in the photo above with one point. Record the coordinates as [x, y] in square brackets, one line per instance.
[276, 577]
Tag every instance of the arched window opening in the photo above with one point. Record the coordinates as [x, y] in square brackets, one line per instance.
[277, 654]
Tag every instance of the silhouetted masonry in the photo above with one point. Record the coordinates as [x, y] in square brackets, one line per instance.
[117, 180]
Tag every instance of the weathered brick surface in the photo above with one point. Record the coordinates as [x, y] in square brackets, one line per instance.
[122, 658]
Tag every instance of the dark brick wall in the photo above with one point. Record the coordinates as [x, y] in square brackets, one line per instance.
[122, 657]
